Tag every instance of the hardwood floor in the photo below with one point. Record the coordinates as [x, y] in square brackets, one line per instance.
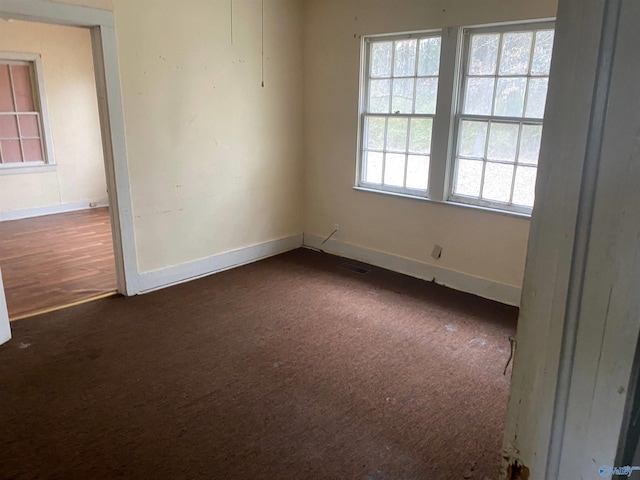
[56, 260]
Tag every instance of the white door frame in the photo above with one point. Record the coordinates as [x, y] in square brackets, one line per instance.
[580, 310]
[105, 57]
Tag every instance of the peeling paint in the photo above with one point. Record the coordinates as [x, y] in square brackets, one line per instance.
[515, 471]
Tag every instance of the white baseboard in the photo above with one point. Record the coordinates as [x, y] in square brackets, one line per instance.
[166, 277]
[51, 209]
[482, 287]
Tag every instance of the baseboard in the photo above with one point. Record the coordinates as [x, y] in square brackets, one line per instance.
[51, 209]
[482, 287]
[166, 277]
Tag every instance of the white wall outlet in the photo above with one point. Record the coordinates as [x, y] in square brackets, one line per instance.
[437, 252]
[336, 227]
[93, 204]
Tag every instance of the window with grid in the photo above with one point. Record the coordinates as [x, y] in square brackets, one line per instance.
[499, 120]
[398, 106]
[21, 127]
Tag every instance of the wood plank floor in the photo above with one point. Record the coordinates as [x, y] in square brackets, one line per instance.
[56, 260]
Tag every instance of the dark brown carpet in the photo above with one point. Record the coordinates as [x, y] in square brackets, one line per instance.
[289, 368]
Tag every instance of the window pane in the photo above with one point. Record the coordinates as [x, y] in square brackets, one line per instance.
[394, 170]
[473, 137]
[22, 88]
[524, 189]
[397, 134]
[374, 131]
[497, 182]
[418, 172]
[420, 136]
[510, 97]
[503, 141]
[6, 98]
[426, 95]
[530, 144]
[478, 96]
[372, 168]
[11, 151]
[8, 126]
[29, 126]
[405, 58]
[32, 150]
[379, 96]
[468, 178]
[381, 59]
[516, 50]
[537, 97]
[542, 52]
[484, 54]
[429, 56]
[402, 101]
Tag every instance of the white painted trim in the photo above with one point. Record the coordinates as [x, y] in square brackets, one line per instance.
[51, 209]
[464, 282]
[56, 13]
[5, 328]
[166, 277]
[22, 169]
[107, 70]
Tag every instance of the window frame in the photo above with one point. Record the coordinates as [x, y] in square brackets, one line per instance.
[363, 100]
[465, 44]
[34, 60]
[454, 53]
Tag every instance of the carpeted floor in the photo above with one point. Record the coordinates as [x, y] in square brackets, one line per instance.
[289, 368]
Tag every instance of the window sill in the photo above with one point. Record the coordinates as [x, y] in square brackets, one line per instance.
[22, 169]
[524, 216]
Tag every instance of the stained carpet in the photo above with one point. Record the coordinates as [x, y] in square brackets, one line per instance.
[295, 367]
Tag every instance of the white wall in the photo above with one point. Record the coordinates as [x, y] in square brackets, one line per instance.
[71, 97]
[215, 160]
[481, 246]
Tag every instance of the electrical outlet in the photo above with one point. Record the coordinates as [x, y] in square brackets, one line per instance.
[437, 252]
[93, 204]
[336, 227]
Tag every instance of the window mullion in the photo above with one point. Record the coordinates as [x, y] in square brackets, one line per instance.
[485, 157]
[406, 152]
[526, 90]
[515, 163]
[384, 148]
[15, 107]
[443, 126]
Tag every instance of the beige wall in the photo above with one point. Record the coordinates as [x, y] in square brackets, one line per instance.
[215, 160]
[71, 97]
[477, 243]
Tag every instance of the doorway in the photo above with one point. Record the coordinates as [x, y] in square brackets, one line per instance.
[100, 24]
[56, 243]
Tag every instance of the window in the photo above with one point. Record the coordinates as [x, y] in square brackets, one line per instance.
[499, 123]
[399, 106]
[24, 138]
[482, 90]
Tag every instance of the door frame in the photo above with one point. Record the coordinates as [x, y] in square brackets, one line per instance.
[107, 72]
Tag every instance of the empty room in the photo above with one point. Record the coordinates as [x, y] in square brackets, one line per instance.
[350, 240]
[55, 232]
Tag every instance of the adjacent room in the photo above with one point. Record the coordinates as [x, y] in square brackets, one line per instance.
[55, 230]
[321, 212]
